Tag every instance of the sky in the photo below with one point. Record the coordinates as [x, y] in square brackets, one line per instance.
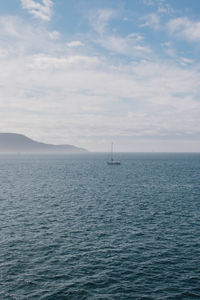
[92, 72]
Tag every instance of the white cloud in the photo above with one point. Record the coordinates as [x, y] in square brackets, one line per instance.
[185, 28]
[3, 53]
[8, 27]
[42, 61]
[100, 19]
[148, 2]
[185, 61]
[171, 52]
[73, 44]
[84, 99]
[162, 6]
[130, 45]
[81, 101]
[151, 20]
[19, 38]
[54, 35]
[39, 10]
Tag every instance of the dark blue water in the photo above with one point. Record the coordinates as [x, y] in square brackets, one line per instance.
[72, 227]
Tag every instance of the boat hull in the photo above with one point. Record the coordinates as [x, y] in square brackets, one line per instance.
[114, 162]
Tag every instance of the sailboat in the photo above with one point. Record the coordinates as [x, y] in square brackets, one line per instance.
[111, 161]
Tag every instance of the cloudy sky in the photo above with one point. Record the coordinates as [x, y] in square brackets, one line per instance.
[92, 72]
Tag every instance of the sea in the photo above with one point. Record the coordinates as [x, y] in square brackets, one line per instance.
[73, 227]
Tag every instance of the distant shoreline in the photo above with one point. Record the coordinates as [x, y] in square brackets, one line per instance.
[18, 143]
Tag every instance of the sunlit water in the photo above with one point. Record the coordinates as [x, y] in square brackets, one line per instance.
[72, 227]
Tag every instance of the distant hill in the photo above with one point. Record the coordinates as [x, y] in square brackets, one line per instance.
[13, 142]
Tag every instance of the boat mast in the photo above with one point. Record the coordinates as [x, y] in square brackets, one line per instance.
[111, 151]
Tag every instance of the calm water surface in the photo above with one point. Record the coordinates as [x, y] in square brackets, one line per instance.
[72, 227]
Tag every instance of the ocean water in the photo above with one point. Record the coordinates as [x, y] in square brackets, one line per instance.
[72, 227]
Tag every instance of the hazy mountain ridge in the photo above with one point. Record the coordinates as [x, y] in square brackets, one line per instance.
[14, 142]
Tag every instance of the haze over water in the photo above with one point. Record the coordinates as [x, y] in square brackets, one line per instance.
[73, 227]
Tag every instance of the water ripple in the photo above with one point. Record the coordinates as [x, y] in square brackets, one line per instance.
[74, 228]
